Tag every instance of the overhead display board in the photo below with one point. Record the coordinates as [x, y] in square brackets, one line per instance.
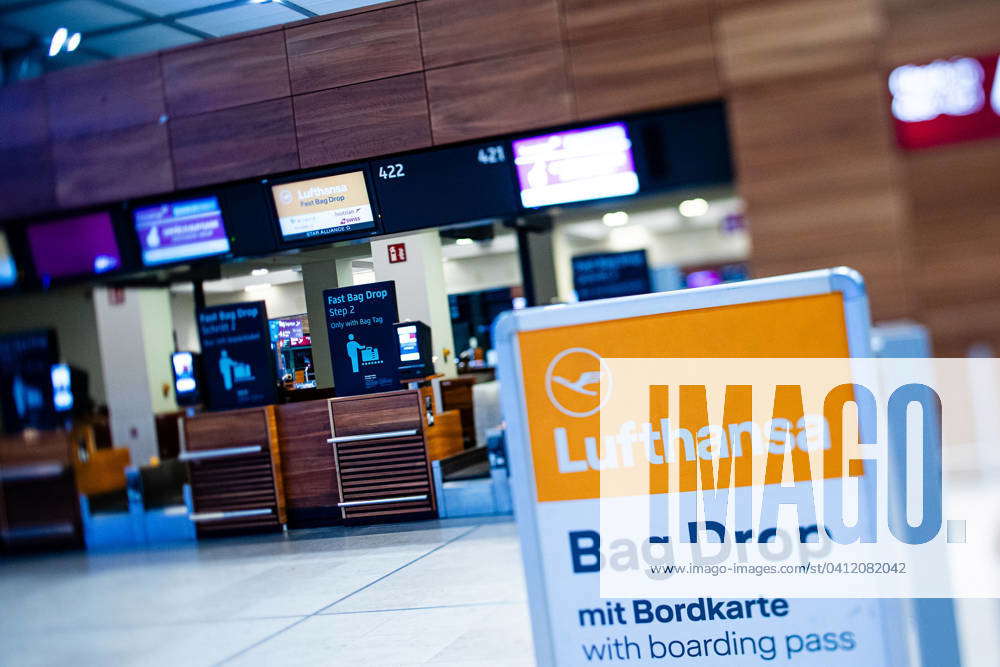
[180, 231]
[610, 274]
[363, 344]
[80, 246]
[446, 186]
[575, 165]
[557, 378]
[329, 206]
[237, 369]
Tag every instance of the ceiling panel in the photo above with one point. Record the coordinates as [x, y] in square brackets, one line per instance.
[164, 7]
[140, 40]
[75, 15]
[241, 19]
[14, 39]
[332, 6]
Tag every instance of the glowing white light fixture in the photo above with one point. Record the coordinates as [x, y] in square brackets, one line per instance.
[692, 208]
[464, 242]
[615, 219]
[259, 272]
[257, 288]
[73, 41]
[58, 40]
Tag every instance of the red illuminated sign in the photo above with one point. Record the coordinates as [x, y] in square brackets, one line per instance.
[397, 253]
[946, 101]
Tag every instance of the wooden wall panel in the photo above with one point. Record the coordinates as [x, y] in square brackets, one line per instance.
[112, 114]
[956, 183]
[499, 96]
[113, 165]
[956, 327]
[772, 41]
[458, 31]
[251, 140]
[958, 270]
[637, 73]
[600, 20]
[921, 32]
[24, 110]
[228, 73]
[884, 271]
[363, 120]
[27, 180]
[109, 96]
[819, 173]
[354, 49]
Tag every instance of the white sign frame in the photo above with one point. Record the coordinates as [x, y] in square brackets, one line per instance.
[849, 283]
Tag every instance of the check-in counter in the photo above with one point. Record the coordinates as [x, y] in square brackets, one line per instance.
[360, 458]
[38, 497]
[383, 471]
[235, 470]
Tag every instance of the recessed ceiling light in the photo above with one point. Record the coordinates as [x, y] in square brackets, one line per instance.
[464, 242]
[616, 219]
[259, 272]
[692, 208]
[73, 41]
[58, 39]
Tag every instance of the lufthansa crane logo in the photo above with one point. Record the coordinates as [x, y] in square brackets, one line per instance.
[578, 382]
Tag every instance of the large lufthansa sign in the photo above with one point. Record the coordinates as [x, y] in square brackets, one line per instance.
[363, 345]
[597, 596]
[236, 356]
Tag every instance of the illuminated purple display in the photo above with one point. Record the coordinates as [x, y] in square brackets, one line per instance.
[180, 231]
[575, 165]
[79, 246]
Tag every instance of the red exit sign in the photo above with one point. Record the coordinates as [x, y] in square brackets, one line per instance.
[946, 101]
[397, 253]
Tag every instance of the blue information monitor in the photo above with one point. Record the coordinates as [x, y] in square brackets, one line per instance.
[236, 356]
[364, 348]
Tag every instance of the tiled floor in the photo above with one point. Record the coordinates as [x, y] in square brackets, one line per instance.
[445, 592]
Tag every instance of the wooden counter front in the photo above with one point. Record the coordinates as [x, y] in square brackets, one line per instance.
[383, 471]
[38, 499]
[307, 463]
[235, 468]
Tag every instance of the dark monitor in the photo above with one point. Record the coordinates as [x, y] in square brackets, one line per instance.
[445, 186]
[609, 275]
[186, 385]
[73, 247]
[416, 353]
[683, 148]
[26, 396]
